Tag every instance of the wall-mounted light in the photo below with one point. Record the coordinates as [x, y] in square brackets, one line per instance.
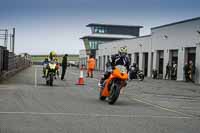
[165, 37]
[198, 31]
[140, 45]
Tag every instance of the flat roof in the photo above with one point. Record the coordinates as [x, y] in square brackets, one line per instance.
[149, 35]
[179, 22]
[115, 36]
[113, 25]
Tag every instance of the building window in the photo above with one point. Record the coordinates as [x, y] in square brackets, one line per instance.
[100, 29]
[93, 44]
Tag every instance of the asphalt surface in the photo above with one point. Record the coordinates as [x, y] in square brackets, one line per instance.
[27, 105]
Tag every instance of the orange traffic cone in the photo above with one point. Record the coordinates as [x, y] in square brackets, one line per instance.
[80, 80]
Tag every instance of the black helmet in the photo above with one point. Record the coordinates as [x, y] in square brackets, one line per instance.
[134, 64]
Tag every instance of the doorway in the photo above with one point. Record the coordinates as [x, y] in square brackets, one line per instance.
[130, 59]
[136, 58]
[145, 57]
[173, 61]
[191, 55]
[160, 62]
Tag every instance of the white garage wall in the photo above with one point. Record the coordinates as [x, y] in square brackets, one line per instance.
[179, 35]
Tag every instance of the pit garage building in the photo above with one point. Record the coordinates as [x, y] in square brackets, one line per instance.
[177, 43]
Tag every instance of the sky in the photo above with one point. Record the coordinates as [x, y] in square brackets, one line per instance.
[45, 25]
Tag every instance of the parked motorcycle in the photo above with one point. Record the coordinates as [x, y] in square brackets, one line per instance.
[133, 74]
[114, 84]
[51, 73]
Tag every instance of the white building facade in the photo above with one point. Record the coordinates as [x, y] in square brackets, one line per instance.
[176, 43]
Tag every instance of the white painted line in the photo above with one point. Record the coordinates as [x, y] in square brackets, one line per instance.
[158, 106]
[195, 107]
[35, 77]
[94, 115]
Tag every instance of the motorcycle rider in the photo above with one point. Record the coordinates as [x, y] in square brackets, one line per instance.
[134, 69]
[52, 58]
[118, 59]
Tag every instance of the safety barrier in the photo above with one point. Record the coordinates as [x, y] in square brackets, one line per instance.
[1, 58]
[11, 63]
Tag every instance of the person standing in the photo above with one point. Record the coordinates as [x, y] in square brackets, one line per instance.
[174, 71]
[168, 68]
[91, 63]
[57, 67]
[191, 71]
[64, 66]
[186, 72]
[108, 65]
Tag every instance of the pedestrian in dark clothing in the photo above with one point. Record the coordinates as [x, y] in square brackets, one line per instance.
[108, 65]
[186, 72]
[168, 69]
[64, 66]
[155, 74]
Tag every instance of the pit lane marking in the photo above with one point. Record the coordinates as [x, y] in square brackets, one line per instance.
[95, 115]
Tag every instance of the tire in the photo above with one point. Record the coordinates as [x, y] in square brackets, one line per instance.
[51, 79]
[141, 77]
[114, 93]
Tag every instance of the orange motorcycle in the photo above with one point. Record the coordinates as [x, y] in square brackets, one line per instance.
[114, 84]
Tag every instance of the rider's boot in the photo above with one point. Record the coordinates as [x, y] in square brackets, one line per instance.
[88, 75]
[91, 75]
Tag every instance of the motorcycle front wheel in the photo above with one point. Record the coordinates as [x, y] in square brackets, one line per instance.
[114, 93]
[51, 80]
